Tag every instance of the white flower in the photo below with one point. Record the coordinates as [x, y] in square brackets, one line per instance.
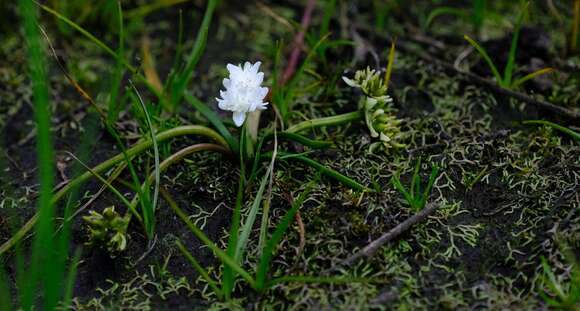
[243, 92]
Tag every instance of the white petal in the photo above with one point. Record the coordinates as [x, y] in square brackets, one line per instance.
[262, 92]
[349, 82]
[259, 78]
[234, 70]
[239, 118]
[221, 104]
[231, 67]
[227, 83]
[247, 66]
[255, 67]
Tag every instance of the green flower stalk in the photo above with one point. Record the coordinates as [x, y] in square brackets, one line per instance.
[379, 111]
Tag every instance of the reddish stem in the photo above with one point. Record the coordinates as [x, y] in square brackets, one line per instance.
[298, 41]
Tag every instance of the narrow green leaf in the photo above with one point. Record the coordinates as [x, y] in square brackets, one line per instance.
[390, 64]
[323, 169]
[214, 119]
[444, 11]
[281, 228]
[575, 135]
[150, 225]
[427, 192]
[317, 279]
[509, 68]
[105, 182]
[228, 277]
[198, 47]
[113, 106]
[219, 253]
[242, 242]
[399, 186]
[316, 144]
[487, 59]
[532, 75]
[42, 244]
[327, 121]
[201, 270]
[5, 294]
[70, 280]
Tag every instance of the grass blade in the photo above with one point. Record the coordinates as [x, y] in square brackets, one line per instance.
[42, 245]
[201, 270]
[149, 220]
[575, 135]
[228, 273]
[268, 252]
[327, 121]
[390, 64]
[399, 186]
[487, 59]
[532, 75]
[219, 253]
[444, 11]
[214, 119]
[198, 47]
[478, 14]
[315, 144]
[242, 241]
[432, 177]
[70, 280]
[5, 296]
[347, 181]
[509, 67]
[266, 208]
[105, 182]
[113, 106]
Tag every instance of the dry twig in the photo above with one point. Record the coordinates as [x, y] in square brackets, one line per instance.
[371, 248]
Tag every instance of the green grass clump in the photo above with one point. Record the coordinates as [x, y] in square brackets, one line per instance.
[414, 196]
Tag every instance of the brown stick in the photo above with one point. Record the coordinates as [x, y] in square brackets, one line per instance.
[371, 248]
[493, 86]
[470, 77]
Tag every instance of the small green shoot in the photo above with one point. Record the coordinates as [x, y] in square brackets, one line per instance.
[575, 135]
[414, 197]
[507, 79]
[470, 179]
[559, 295]
[184, 76]
[476, 15]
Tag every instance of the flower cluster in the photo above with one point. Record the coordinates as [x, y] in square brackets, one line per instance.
[108, 229]
[379, 112]
[369, 81]
[243, 91]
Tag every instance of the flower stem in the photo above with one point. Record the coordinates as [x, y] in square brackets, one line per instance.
[334, 120]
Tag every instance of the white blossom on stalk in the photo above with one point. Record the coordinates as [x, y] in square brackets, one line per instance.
[244, 92]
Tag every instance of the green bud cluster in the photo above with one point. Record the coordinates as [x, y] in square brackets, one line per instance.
[107, 228]
[379, 111]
